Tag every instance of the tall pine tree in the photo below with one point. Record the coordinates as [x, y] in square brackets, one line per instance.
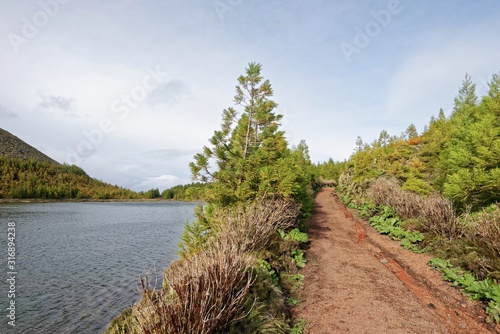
[471, 158]
[248, 149]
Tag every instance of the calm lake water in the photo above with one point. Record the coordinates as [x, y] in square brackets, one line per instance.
[78, 264]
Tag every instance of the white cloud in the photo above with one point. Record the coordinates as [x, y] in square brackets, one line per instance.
[161, 182]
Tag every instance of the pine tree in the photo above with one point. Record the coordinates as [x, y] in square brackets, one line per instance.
[411, 131]
[383, 138]
[246, 150]
[471, 158]
[466, 95]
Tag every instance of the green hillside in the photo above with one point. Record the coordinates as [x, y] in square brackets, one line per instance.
[26, 172]
[44, 180]
[443, 183]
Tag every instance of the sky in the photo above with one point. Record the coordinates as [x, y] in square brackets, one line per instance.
[131, 90]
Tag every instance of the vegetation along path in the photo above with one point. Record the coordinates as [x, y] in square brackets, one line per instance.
[358, 281]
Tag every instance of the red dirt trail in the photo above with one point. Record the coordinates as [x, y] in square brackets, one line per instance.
[358, 281]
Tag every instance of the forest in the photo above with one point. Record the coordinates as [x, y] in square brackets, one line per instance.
[23, 179]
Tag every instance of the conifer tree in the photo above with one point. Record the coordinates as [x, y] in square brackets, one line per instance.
[471, 158]
[411, 131]
[466, 95]
[248, 148]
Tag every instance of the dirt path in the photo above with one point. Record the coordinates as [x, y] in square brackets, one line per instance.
[358, 281]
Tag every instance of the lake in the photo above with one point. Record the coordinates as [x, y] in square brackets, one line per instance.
[78, 264]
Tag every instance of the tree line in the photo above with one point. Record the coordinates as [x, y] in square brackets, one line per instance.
[458, 155]
[22, 179]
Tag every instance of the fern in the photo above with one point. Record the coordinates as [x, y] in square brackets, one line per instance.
[493, 311]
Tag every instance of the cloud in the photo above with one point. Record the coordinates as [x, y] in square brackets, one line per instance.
[168, 154]
[161, 182]
[6, 113]
[57, 104]
[60, 102]
[169, 93]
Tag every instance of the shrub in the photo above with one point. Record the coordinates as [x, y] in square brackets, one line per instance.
[417, 186]
[254, 225]
[438, 216]
[435, 212]
[483, 229]
[200, 294]
[386, 191]
[251, 226]
[219, 284]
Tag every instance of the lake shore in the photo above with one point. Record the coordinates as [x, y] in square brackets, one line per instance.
[92, 200]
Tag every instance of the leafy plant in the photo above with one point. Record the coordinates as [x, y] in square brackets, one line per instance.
[295, 235]
[388, 223]
[487, 290]
[292, 301]
[266, 268]
[298, 258]
[299, 327]
[493, 311]
[367, 209]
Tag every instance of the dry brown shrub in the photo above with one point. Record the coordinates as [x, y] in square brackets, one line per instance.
[388, 192]
[435, 213]
[322, 182]
[200, 294]
[252, 227]
[204, 292]
[351, 187]
[483, 229]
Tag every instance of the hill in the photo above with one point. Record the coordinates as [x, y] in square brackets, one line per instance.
[13, 147]
[26, 172]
